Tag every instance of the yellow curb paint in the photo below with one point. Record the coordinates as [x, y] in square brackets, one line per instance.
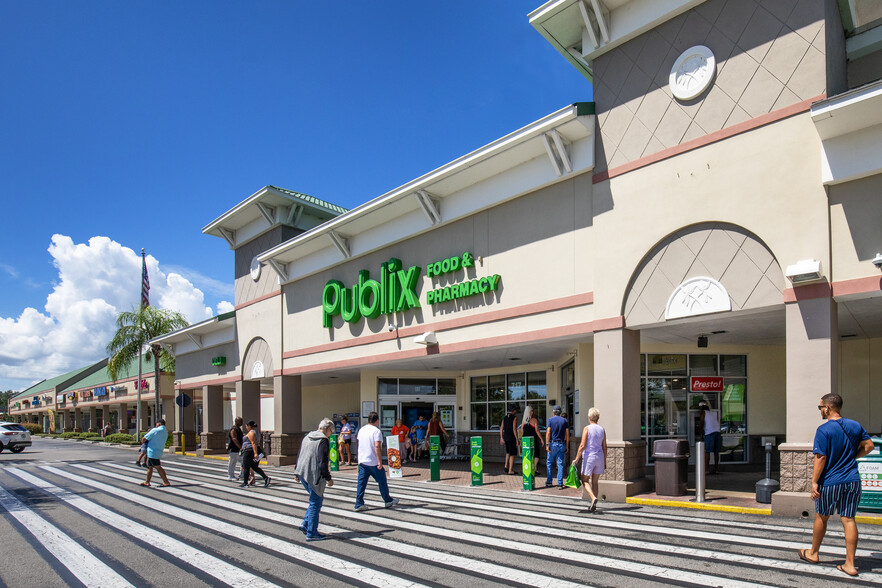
[220, 457]
[702, 506]
[868, 519]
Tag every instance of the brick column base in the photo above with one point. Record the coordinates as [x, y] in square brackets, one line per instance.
[285, 448]
[626, 474]
[794, 498]
[212, 444]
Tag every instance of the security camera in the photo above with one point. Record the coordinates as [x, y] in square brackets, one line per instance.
[877, 261]
[392, 327]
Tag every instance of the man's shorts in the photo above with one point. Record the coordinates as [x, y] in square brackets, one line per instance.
[713, 442]
[511, 446]
[843, 498]
[151, 462]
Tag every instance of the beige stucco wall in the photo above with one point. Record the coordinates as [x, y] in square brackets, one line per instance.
[856, 227]
[260, 320]
[766, 181]
[860, 379]
[196, 366]
[536, 243]
[769, 56]
[324, 401]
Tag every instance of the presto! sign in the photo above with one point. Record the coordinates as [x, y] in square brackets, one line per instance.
[396, 290]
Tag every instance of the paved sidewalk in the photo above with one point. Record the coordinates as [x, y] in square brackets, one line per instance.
[458, 473]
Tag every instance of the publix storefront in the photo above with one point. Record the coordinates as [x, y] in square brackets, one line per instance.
[639, 255]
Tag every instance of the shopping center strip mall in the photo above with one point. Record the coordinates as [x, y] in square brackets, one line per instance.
[705, 229]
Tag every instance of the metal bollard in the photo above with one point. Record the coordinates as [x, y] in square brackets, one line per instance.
[699, 471]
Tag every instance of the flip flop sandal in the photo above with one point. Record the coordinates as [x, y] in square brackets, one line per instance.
[803, 557]
[146, 485]
[841, 569]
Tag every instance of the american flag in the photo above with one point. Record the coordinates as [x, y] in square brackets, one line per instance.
[145, 283]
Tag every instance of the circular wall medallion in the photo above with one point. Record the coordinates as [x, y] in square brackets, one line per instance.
[255, 269]
[692, 73]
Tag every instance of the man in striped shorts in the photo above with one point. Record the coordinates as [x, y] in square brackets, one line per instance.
[836, 485]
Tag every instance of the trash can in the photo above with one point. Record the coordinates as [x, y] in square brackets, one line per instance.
[671, 460]
[870, 470]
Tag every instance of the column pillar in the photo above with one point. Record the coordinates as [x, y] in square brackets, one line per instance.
[123, 418]
[93, 419]
[183, 425]
[812, 354]
[248, 400]
[66, 423]
[288, 420]
[146, 422]
[78, 420]
[617, 397]
[213, 435]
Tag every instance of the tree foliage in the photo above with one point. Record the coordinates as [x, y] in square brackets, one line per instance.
[134, 330]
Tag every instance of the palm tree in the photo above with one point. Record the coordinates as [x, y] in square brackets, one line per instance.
[134, 330]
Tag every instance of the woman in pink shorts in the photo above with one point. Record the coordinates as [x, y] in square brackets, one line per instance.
[592, 452]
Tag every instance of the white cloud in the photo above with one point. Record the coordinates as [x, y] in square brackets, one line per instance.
[224, 306]
[96, 281]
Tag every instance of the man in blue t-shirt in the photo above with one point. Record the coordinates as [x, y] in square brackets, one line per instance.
[557, 438]
[419, 428]
[155, 439]
[836, 484]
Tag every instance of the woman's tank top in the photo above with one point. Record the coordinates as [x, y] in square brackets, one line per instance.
[232, 446]
[711, 422]
[594, 446]
[530, 431]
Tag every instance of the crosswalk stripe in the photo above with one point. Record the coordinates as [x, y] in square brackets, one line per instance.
[435, 557]
[559, 554]
[424, 489]
[292, 550]
[87, 568]
[219, 569]
[737, 558]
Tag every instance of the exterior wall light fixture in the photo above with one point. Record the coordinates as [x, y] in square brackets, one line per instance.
[807, 270]
[426, 339]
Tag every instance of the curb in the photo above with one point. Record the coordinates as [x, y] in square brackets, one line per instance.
[869, 519]
[699, 506]
[218, 457]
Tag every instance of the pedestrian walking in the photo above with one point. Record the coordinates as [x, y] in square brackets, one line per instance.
[345, 443]
[234, 448]
[419, 428]
[557, 438]
[370, 463]
[713, 439]
[530, 428]
[508, 437]
[836, 484]
[436, 427]
[314, 472]
[592, 452]
[142, 453]
[251, 452]
[402, 431]
[156, 438]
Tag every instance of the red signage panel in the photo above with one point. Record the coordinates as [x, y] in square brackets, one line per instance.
[706, 384]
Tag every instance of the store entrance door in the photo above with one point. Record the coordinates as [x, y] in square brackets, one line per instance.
[695, 432]
[411, 411]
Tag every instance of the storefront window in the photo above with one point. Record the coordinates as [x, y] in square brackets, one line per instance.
[670, 410]
[417, 386]
[491, 395]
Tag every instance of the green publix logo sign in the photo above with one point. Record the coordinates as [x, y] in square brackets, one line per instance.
[396, 290]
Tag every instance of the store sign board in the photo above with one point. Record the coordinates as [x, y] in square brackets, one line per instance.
[396, 290]
[706, 384]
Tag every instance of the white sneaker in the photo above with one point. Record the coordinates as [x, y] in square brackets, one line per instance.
[361, 508]
[232, 479]
[392, 503]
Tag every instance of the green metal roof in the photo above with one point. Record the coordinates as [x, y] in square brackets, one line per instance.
[311, 200]
[51, 383]
[103, 376]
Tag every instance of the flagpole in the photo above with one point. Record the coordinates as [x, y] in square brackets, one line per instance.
[140, 356]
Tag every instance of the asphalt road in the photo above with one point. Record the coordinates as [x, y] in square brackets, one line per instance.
[73, 514]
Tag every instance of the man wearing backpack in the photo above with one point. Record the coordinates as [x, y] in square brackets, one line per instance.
[836, 484]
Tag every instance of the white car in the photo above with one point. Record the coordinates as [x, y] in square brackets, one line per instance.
[14, 437]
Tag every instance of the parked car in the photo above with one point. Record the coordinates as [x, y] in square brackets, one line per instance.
[14, 437]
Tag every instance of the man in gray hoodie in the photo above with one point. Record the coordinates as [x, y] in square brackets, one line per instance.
[314, 472]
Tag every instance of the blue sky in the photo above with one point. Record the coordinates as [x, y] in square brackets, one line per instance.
[140, 122]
